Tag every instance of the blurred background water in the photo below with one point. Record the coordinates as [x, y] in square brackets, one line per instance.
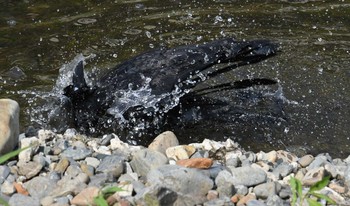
[38, 37]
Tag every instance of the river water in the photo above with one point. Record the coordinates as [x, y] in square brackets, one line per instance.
[38, 37]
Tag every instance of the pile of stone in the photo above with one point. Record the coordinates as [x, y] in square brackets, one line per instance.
[72, 169]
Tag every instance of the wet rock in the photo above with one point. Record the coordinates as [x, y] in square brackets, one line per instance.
[181, 180]
[15, 73]
[86, 196]
[112, 165]
[40, 187]
[200, 163]
[180, 152]
[86, 21]
[29, 169]
[163, 141]
[9, 125]
[306, 160]
[145, 160]
[76, 153]
[20, 200]
[248, 176]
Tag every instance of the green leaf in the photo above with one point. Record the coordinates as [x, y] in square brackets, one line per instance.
[3, 202]
[322, 196]
[320, 184]
[9, 155]
[109, 190]
[299, 188]
[293, 186]
[313, 202]
[100, 201]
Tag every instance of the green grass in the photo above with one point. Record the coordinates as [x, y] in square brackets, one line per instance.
[311, 196]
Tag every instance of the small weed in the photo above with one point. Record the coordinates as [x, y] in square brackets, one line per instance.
[101, 198]
[310, 196]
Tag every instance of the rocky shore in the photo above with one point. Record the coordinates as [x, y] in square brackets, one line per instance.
[72, 169]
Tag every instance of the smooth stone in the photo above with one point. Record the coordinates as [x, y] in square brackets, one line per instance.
[27, 154]
[73, 170]
[85, 197]
[266, 189]
[180, 152]
[163, 141]
[313, 176]
[274, 200]
[306, 160]
[4, 173]
[92, 161]
[68, 185]
[283, 169]
[76, 153]
[7, 188]
[219, 201]
[87, 169]
[248, 158]
[9, 125]
[21, 200]
[62, 165]
[319, 161]
[241, 190]
[248, 176]
[145, 160]
[181, 179]
[212, 194]
[244, 200]
[39, 187]
[286, 192]
[200, 163]
[47, 201]
[112, 165]
[29, 169]
[233, 162]
[100, 179]
[225, 184]
[331, 169]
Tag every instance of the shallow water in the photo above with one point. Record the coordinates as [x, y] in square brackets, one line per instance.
[312, 68]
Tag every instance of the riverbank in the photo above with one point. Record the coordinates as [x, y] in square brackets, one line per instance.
[71, 169]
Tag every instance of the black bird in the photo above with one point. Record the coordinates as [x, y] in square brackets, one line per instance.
[161, 78]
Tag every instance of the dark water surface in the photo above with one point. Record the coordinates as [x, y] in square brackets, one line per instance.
[313, 67]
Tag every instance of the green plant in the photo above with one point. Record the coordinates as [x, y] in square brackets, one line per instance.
[3, 159]
[100, 199]
[311, 196]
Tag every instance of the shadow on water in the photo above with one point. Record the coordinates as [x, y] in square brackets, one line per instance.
[308, 110]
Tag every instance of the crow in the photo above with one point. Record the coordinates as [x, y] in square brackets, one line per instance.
[138, 94]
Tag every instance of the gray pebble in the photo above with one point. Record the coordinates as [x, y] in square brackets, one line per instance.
[4, 172]
[21, 200]
[283, 169]
[145, 160]
[256, 203]
[39, 187]
[113, 165]
[248, 176]
[180, 179]
[274, 200]
[306, 160]
[318, 162]
[76, 153]
[29, 169]
[266, 189]
[224, 183]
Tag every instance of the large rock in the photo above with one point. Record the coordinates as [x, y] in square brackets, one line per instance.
[182, 180]
[9, 125]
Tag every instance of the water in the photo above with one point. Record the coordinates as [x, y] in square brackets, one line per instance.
[312, 68]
